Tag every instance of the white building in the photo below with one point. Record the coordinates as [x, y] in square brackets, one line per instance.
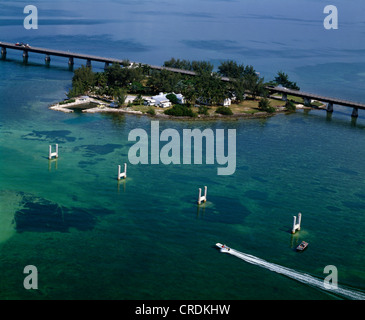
[180, 98]
[161, 101]
[227, 102]
[149, 102]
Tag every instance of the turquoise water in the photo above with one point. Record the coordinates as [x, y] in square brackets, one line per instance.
[145, 238]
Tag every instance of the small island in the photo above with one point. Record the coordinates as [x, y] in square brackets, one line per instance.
[136, 89]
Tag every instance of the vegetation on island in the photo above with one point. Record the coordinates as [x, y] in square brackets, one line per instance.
[203, 93]
[264, 104]
[283, 80]
[181, 111]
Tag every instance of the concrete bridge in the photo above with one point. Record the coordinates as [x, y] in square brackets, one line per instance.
[307, 97]
[26, 49]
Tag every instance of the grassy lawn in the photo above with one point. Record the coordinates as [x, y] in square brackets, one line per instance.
[299, 100]
[248, 106]
[317, 104]
[294, 98]
[251, 106]
[144, 108]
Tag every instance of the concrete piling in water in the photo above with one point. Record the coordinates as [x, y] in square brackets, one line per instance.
[122, 174]
[296, 226]
[53, 154]
[47, 59]
[330, 107]
[25, 56]
[3, 53]
[88, 63]
[202, 198]
[307, 101]
[71, 63]
[355, 112]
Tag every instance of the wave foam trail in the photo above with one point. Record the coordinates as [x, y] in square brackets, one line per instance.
[301, 277]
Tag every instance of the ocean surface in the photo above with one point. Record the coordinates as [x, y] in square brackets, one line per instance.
[92, 237]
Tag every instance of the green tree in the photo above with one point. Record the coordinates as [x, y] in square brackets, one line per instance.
[146, 69]
[122, 77]
[189, 92]
[283, 79]
[224, 111]
[203, 110]
[138, 100]
[163, 81]
[201, 67]
[83, 81]
[180, 111]
[172, 98]
[120, 96]
[151, 111]
[114, 75]
[100, 79]
[290, 106]
[231, 69]
[264, 105]
[210, 88]
[137, 87]
[239, 88]
[255, 85]
[250, 71]
[76, 90]
[178, 64]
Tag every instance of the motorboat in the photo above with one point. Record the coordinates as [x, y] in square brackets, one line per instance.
[223, 247]
[303, 245]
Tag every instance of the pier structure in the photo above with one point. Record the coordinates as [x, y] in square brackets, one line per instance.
[202, 198]
[296, 226]
[122, 175]
[52, 154]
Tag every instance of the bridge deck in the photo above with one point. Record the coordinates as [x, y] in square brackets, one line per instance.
[314, 96]
[68, 54]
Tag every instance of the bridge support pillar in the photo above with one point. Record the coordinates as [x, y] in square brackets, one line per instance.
[284, 97]
[202, 198]
[307, 101]
[25, 56]
[106, 65]
[88, 63]
[330, 107]
[71, 61]
[47, 59]
[122, 174]
[3, 53]
[296, 226]
[355, 112]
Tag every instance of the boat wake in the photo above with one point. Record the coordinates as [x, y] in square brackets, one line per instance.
[299, 276]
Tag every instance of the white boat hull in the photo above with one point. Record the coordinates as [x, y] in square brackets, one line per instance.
[223, 248]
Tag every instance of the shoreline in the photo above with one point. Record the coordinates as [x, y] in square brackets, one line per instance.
[103, 107]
